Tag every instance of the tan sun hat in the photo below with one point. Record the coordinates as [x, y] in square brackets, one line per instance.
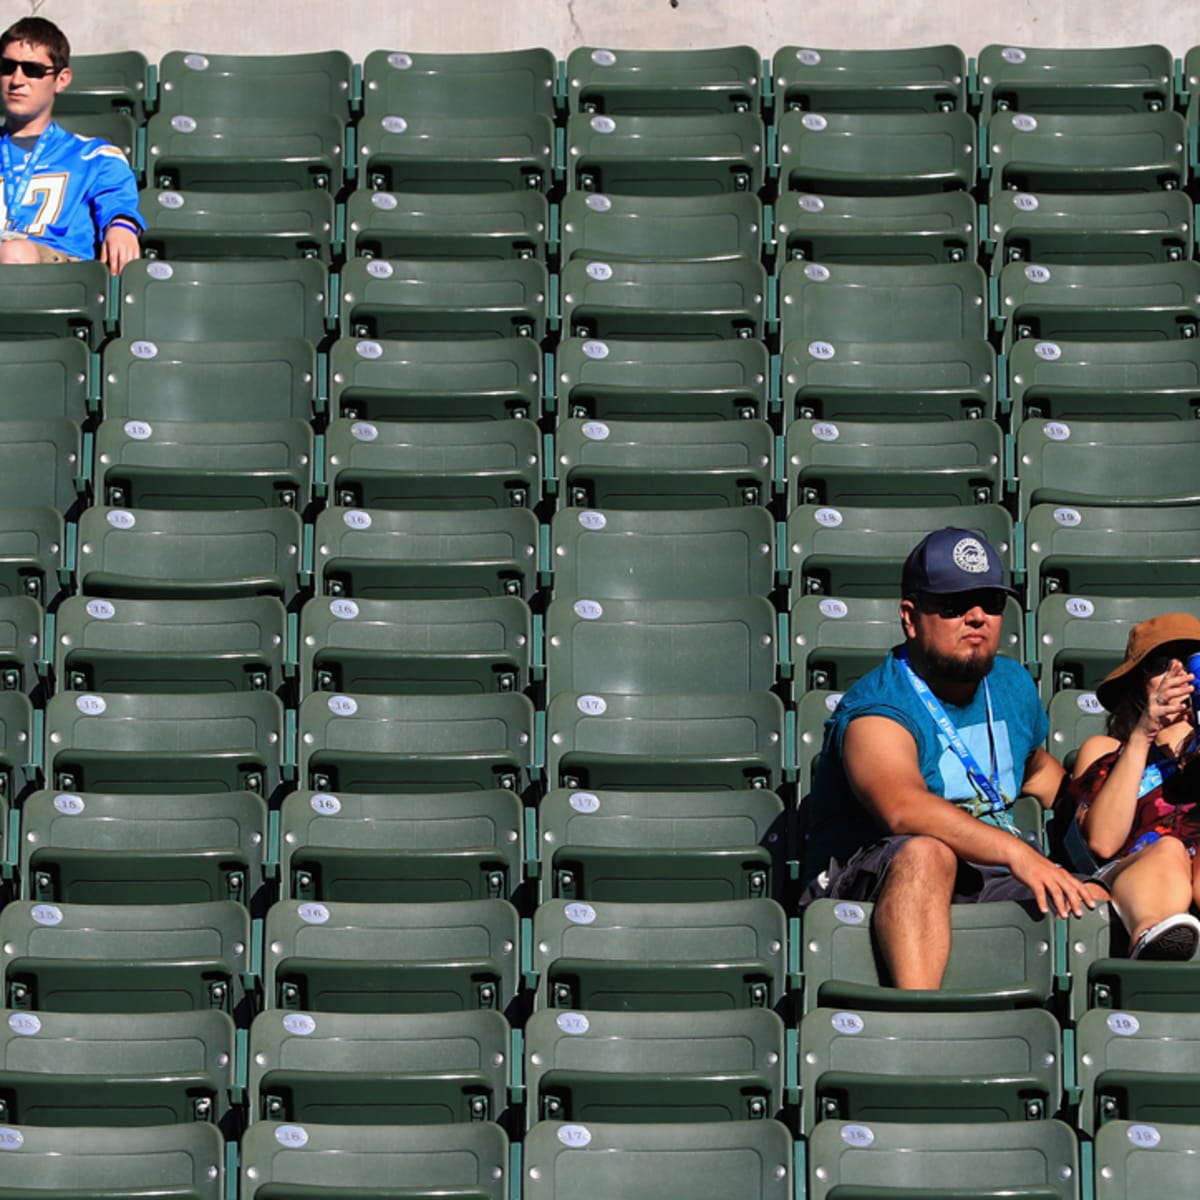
[1144, 638]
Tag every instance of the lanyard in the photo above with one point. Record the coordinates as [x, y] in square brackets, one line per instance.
[1161, 769]
[988, 786]
[16, 185]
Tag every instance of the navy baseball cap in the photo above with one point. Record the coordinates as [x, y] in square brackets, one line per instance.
[952, 560]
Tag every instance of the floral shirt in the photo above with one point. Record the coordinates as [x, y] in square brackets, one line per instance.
[1170, 808]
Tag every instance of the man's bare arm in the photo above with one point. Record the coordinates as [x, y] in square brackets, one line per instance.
[880, 757]
[1043, 776]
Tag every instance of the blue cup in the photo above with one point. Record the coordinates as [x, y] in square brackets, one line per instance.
[1193, 666]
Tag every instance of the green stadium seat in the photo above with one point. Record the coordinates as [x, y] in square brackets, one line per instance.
[32, 552]
[357, 1069]
[325, 1161]
[54, 300]
[476, 379]
[876, 154]
[1090, 303]
[193, 742]
[170, 645]
[189, 555]
[1107, 551]
[107, 1070]
[242, 152]
[18, 753]
[813, 708]
[930, 1066]
[654, 1068]
[609, 957]
[445, 153]
[660, 555]
[265, 84]
[835, 640]
[705, 1160]
[1025, 1160]
[1069, 152]
[664, 464]
[1075, 716]
[343, 957]
[1103, 976]
[916, 79]
[185, 1161]
[187, 465]
[1100, 227]
[596, 226]
[433, 464]
[721, 298]
[1104, 381]
[889, 381]
[643, 646]
[42, 378]
[42, 464]
[1137, 1066]
[460, 85]
[205, 225]
[859, 551]
[103, 83]
[650, 847]
[691, 155]
[937, 227]
[458, 122]
[1080, 639]
[21, 649]
[1113, 79]
[664, 82]
[238, 300]
[665, 740]
[446, 743]
[1001, 957]
[426, 555]
[1138, 1159]
[209, 380]
[475, 225]
[143, 849]
[855, 303]
[651, 380]
[444, 299]
[1115, 463]
[414, 848]
[894, 462]
[415, 646]
[378, 1068]
[126, 958]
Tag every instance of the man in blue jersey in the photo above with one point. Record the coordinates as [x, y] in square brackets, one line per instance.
[64, 197]
[922, 762]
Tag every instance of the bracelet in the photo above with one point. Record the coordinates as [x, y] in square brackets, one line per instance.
[125, 223]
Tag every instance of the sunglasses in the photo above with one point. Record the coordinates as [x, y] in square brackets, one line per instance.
[958, 604]
[1159, 663]
[31, 70]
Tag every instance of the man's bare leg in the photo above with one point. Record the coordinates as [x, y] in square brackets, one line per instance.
[912, 914]
[19, 250]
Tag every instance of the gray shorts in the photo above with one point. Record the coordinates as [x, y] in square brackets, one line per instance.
[863, 875]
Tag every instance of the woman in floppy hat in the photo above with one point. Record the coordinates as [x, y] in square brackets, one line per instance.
[1137, 789]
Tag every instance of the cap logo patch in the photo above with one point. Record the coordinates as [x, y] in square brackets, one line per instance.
[970, 556]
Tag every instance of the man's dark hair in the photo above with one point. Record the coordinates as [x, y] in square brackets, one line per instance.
[37, 31]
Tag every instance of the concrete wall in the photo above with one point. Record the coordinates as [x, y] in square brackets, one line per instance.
[357, 26]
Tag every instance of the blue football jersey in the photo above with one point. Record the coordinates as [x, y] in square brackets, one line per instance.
[78, 186]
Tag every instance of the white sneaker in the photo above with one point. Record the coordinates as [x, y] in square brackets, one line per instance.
[1173, 939]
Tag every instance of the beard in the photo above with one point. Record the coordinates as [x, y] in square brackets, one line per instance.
[969, 669]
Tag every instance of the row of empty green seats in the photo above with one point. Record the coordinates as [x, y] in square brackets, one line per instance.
[563, 1161]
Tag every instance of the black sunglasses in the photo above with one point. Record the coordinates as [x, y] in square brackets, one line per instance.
[1159, 663]
[958, 604]
[31, 70]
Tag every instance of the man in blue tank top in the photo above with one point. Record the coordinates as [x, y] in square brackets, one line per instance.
[64, 197]
[923, 760]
